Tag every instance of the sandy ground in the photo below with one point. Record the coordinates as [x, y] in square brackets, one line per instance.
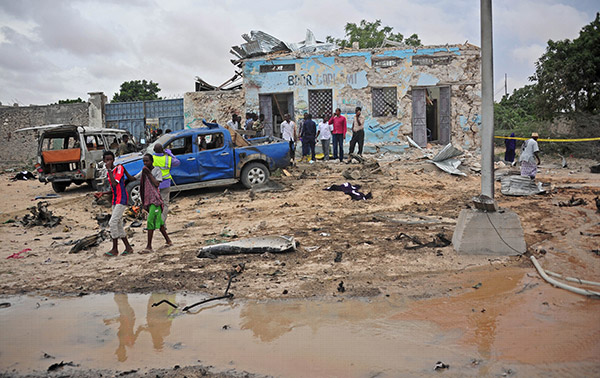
[375, 259]
[410, 197]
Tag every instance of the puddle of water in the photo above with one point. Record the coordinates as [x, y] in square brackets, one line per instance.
[349, 338]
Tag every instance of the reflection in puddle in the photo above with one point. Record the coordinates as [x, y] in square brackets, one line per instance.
[158, 323]
[382, 336]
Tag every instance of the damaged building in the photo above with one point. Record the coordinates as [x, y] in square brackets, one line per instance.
[430, 93]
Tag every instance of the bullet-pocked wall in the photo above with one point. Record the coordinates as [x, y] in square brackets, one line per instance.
[432, 94]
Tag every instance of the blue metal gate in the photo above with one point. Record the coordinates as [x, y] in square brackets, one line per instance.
[132, 116]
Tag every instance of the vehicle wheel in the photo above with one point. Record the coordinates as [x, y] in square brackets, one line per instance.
[135, 197]
[254, 174]
[59, 187]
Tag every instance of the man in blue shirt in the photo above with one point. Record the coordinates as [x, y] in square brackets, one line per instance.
[308, 134]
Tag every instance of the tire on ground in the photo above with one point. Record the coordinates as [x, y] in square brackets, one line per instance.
[59, 187]
[254, 174]
[133, 189]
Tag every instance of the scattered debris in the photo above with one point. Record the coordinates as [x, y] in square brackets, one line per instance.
[596, 251]
[351, 190]
[545, 276]
[595, 168]
[338, 257]
[5, 305]
[46, 196]
[24, 175]
[47, 356]
[60, 365]
[325, 234]
[440, 365]
[136, 224]
[439, 241]
[312, 248]
[476, 286]
[597, 200]
[445, 161]
[128, 372]
[594, 234]
[103, 219]
[40, 216]
[572, 202]
[18, 254]
[521, 186]
[527, 286]
[341, 287]
[89, 241]
[258, 245]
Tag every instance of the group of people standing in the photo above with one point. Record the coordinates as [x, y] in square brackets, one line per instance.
[332, 129]
[155, 188]
[253, 122]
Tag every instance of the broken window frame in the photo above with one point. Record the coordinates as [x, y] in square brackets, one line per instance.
[388, 108]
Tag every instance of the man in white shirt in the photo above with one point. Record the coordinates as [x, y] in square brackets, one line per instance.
[233, 122]
[288, 132]
[529, 155]
[324, 135]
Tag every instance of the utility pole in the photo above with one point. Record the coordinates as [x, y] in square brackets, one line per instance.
[487, 100]
[505, 86]
[484, 230]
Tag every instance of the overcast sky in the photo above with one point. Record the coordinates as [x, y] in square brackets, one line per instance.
[53, 50]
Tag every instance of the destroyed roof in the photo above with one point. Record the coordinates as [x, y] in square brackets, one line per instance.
[260, 43]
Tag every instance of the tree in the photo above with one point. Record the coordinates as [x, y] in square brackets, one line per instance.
[515, 110]
[369, 35]
[71, 101]
[137, 90]
[567, 75]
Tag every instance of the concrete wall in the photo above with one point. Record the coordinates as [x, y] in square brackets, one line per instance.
[20, 149]
[352, 74]
[211, 105]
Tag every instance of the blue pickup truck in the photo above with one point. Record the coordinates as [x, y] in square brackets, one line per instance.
[209, 157]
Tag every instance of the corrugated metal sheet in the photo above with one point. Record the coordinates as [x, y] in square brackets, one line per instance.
[131, 116]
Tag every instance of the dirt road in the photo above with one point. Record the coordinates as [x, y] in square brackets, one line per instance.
[376, 241]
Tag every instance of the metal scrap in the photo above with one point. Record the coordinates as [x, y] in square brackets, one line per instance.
[89, 241]
[445, 161]
[40, 216]
[261, 43]
[572, 202]
[520, 186]
[257, 245]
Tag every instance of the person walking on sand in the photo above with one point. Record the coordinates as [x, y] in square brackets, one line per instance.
[529, 154]
[288, 132]
[164, 160]
[339, 134]
[116, 178]
[150, 178]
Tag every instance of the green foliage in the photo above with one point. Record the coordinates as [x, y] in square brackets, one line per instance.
[370, 35]
[515, 110]
[137, 90]
[71, 101]
[567, 75]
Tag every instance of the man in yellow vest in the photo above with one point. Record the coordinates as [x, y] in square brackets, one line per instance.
[164, 160]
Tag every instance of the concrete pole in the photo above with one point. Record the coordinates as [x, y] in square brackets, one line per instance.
[487, 100]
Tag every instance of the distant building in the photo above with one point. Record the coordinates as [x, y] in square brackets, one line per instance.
[430, 93]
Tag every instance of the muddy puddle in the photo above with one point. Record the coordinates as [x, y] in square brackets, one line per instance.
[510, 325]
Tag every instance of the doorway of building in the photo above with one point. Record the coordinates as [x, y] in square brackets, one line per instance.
[274, 106]
[431, 115]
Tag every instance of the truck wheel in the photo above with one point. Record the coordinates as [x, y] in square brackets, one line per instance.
[254, 174]
[59, 187]
[135, 197]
